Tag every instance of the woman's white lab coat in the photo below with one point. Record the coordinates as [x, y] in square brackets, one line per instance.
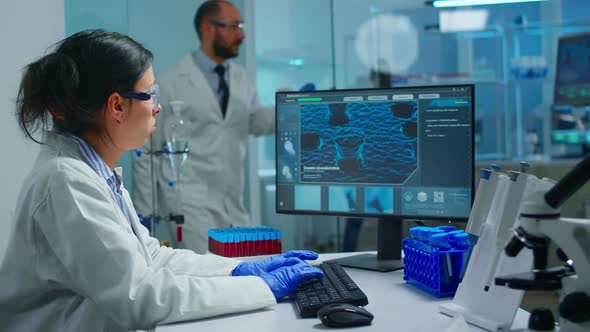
[212, 182]
[75, 263]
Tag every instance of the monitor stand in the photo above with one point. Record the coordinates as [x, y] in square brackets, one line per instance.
[389, 249]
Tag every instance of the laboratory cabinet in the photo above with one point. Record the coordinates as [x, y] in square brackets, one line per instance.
[475, 57]
[513, 68]
[531, 88]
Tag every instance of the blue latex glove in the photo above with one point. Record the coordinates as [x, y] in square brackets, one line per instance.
[285, 280]
[273, 262]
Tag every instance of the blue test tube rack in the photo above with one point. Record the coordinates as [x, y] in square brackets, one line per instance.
[433, 267]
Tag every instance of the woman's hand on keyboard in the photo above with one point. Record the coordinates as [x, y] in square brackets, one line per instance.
[285, 280]
[272, 263]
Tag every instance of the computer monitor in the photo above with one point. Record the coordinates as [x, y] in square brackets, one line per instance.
[570, 114]
[391, 153]
[572, 73]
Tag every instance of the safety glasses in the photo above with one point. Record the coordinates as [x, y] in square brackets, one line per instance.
[233, 27]
[151, 93]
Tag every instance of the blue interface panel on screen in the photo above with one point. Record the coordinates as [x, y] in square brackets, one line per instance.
[398, 152]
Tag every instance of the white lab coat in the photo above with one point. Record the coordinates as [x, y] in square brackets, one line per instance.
[74, 263]
[212, 184]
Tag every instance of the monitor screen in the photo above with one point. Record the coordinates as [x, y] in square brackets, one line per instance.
[572, 74]
[391, 152]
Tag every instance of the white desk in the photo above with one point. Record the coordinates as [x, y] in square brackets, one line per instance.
[397, 306]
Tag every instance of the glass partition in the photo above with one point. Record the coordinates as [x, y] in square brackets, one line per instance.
[416, 45]
[325, 44]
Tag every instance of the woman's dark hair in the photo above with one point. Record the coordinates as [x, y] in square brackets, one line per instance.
[73, 83]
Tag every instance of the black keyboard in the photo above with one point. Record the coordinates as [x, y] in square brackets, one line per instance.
[335, 287]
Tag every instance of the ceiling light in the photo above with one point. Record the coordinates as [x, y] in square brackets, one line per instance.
[462, 20]
[457, 3]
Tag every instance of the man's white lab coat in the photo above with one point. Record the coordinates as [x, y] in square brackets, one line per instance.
[212, 182]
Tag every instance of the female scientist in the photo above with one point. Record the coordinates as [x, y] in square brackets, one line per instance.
[78, 259]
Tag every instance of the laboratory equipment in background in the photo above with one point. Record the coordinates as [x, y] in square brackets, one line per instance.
[528, 67]
[481, 207]
[495, 211]
[244, 241]
[177, 130]
[572, 80]
[570, 113]
[539, 224]
[377, 153]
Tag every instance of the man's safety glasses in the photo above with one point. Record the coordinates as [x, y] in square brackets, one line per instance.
[151, 93]
[234, 27]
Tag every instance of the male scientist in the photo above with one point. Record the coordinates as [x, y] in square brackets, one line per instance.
[222, 106]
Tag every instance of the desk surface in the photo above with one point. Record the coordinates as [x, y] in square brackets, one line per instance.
[397, 306]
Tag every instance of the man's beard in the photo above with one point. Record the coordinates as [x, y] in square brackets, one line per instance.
[223, 51]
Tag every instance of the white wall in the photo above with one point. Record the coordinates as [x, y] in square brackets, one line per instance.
[27, 28]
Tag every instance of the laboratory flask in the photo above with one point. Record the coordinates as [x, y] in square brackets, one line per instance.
[177, 130]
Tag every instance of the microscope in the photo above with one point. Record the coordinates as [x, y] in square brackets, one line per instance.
[540, 223]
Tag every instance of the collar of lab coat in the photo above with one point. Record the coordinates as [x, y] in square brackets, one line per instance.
[67, 146]
[95, 161]
[206, 64]
[72, 144]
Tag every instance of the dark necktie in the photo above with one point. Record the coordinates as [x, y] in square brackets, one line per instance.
[222, 89]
